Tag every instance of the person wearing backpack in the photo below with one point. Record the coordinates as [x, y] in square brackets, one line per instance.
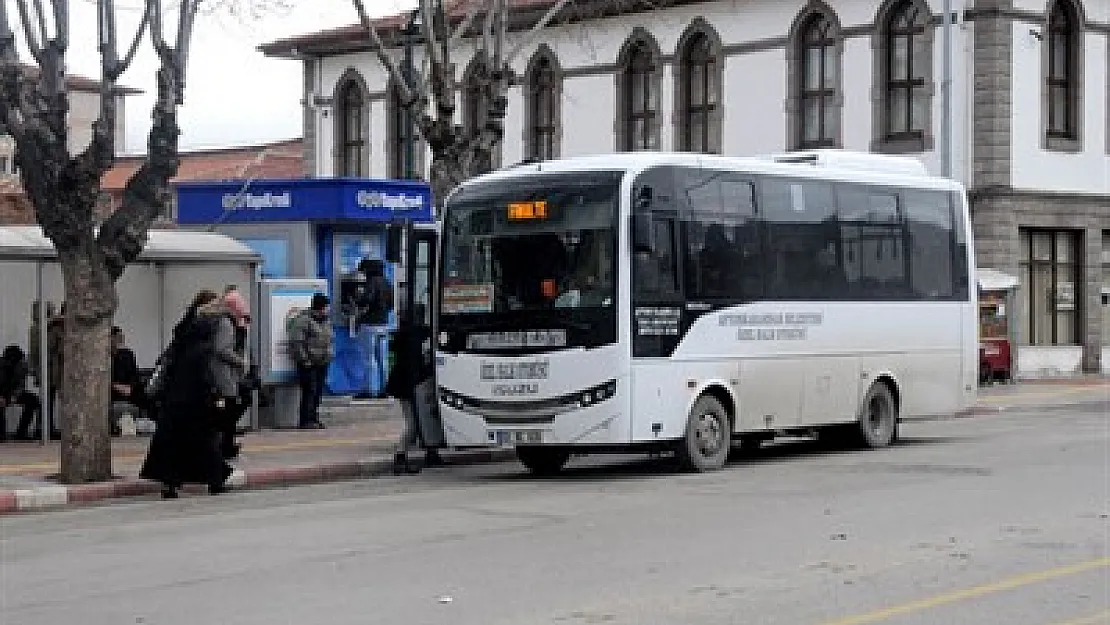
[374, 303]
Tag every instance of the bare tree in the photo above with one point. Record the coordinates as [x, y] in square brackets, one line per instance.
[458, 153]
[64, 187]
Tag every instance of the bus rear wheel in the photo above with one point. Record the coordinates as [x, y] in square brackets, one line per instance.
[543, 460]
[878, 417]
[708, 436]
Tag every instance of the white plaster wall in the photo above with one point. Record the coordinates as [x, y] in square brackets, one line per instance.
[379, 140]
[856, 80]
[667, 138]
[588, 105]
[512, 150]
[1036, 168]
[1049, 362]
[755, 125]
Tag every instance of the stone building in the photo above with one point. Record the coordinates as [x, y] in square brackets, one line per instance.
[1029, 115]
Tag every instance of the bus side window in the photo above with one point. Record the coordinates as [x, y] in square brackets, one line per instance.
[802, 240]
[933, 246]
[873, 237]
[657, 272]
[722, 240]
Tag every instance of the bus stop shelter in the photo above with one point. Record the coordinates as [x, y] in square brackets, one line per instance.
[153, 291]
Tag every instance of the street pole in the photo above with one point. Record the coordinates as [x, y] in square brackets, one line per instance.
[408, 71]
[946, 94]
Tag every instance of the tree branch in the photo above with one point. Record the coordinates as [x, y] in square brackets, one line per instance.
[122, 65]
[11, 80]
[181, 46]
[41, 15]
[464, 25]
[530, 38]
[406, 91]
[61, 23]
[34, 44]
[433, 53]
[157, 35]
[487, 31]
[499, 25]
[122, 236]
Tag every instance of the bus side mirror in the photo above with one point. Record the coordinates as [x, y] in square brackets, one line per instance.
[642, 239]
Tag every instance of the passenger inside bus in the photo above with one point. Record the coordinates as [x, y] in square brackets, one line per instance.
[589, 284]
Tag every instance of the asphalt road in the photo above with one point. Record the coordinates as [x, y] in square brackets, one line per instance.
[991, 520]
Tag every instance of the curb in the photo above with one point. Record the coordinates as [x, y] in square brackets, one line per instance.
[979, 411]
[52, 497]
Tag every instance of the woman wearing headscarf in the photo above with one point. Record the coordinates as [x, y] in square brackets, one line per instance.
[235, 362]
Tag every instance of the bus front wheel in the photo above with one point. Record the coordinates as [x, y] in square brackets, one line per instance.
[543, 460]
[708, 436]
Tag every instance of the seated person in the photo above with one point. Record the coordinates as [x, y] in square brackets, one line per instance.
[127, 390]
[13, 392]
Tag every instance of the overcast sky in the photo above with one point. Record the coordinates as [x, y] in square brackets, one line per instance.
[234, 95]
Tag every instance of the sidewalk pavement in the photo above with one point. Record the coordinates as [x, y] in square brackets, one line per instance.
[1034, 394]
[269, 458]
[362, 447]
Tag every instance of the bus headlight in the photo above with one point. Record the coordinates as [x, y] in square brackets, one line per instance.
[598, 394]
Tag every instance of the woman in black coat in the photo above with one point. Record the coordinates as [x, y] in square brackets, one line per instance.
[184, 449]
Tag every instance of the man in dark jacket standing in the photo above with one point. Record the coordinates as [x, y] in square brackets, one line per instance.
[411, 368]
[310, 340]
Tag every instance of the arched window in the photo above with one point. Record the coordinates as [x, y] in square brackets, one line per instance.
[476, 107]
[907, 72]
[352, 125]
[819, 78]
[405, 146]
[639, 95]
[1062, 75]
[699, 95]
[544, 110]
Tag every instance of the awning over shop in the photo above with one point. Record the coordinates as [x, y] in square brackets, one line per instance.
[994, 280]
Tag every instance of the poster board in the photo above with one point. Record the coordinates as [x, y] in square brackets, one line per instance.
[282, 300]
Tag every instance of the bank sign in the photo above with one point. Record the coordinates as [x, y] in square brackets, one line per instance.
[309, 199]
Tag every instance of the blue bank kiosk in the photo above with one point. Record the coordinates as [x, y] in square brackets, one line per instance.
[315, 228]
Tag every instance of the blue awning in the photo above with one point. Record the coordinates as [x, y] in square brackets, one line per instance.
[327, 200]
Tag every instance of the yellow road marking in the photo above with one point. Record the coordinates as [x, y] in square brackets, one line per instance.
[1094, 619]
[972, 593]
[248, 448]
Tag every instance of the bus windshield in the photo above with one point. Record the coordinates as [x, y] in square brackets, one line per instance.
[540, 242]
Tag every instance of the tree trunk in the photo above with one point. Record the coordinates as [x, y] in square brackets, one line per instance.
[90, 307]
[444, 176]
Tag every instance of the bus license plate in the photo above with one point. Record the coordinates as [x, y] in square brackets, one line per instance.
[517, 437]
